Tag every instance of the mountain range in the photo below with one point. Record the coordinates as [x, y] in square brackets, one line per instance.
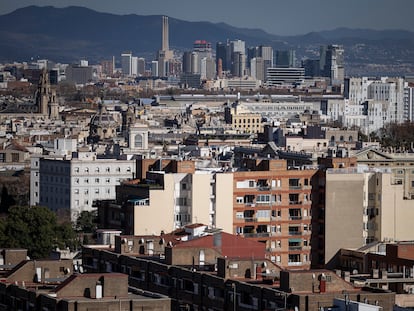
[73, 33]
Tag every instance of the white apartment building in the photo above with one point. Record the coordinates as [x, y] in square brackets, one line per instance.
[409, 103]
[72, 184]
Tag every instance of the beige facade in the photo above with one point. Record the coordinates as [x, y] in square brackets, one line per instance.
[369, 205]
[158, 215]
[184, 198]
[224, 202]
[344, 208]
[395, 212]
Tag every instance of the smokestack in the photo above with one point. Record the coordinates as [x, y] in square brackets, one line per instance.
[165, 39]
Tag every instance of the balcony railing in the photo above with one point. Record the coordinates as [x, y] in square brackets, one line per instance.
[295, 187]
[295, 233]
[295, 248]
[295, 263]
[295, 217]
[257, 235]
[295, 202]
[249, 219]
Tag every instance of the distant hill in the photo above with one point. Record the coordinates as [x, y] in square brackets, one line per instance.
[69, 34]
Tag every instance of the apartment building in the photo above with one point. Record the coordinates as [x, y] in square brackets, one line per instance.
[173, 189]
[70, 185]
[272, 204]
[358, 204]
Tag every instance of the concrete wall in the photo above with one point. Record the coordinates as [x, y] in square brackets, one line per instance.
[396, 214]
[343, 212]
[159, 214]
[224, 202]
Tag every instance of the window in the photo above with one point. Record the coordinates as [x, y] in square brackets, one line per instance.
[76, 180]
[118, 169]
[239, 200]
[97, 180]
[76, 169]
[86, 191]
[86, 169]
[97, 169]
[107, 180]
[138, 141]
[108, 169]
[76, 191]
[97, 191]
[86, 180]
[15, 157]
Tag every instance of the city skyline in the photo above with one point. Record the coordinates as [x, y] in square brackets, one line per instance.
[274, 17]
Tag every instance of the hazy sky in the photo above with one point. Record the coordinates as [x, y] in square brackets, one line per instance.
[281, 17]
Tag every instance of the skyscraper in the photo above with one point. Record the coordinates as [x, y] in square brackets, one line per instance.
[222, 49]
[165, 54]
[332, 63]
[285, 58]
[126, 63]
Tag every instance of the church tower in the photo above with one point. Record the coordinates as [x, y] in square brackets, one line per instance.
[43, 91]
[46, 99]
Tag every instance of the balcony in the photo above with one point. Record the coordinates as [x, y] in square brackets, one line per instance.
[249, 219]
[295, 217]
[294, 263]
[257, 235]
[295, 187]
[295, 233]
[295, 202]
[263, 188]
[295, 248]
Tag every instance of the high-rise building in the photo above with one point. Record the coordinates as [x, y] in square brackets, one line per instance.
[409, 103]
[257, 68]
[141, 66]
[222, 54]
[238, 64]
[266, 53]
[154, 68]
[286, 58]
[238, 57]
[126, 63]
[186, 62]
[332, 63]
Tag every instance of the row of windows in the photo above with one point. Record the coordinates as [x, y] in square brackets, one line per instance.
[96, 191]
[98, 170]
[96, 180]
[248, 121]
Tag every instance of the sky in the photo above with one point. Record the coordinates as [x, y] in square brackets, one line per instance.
[280, 17]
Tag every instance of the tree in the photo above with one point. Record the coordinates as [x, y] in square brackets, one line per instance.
[36, 229]
[86, 222]
[6, 200]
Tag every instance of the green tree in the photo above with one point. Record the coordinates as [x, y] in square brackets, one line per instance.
[34, 228]
[86, 222]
